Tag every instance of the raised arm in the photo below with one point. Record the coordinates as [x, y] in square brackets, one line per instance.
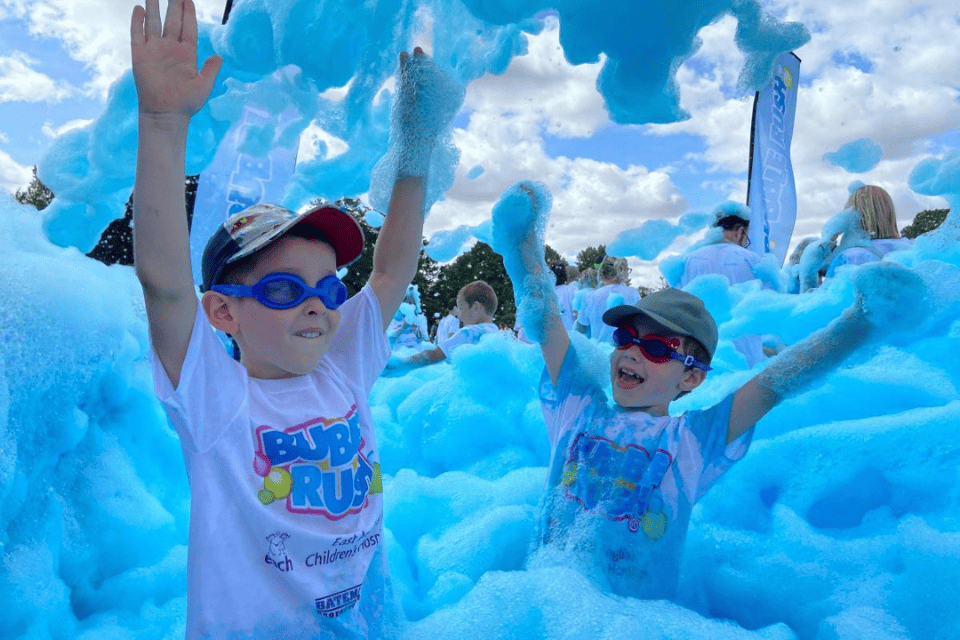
[427, 100]
[889, 297]
[519, 220]
[169, 92]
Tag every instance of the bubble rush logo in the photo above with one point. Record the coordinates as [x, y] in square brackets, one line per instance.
[317, 467]
[786, 77]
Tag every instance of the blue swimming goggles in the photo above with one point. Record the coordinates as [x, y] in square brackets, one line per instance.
[658, 349]
[287, 290]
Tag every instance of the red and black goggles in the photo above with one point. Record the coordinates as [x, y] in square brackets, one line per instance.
[655, 348]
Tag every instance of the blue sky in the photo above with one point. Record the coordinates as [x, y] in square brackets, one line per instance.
[895, 83]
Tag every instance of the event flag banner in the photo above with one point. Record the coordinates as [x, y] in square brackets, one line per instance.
[235, 180]
[771, 191]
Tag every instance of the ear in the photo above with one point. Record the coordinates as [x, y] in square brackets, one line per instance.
[692, 379]
[220, 312]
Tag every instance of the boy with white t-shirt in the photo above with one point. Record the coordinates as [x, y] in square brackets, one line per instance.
[476, 304]
[286, 511]
[449, 324]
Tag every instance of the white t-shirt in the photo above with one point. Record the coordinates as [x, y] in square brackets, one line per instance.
[286, 495]
[737, 265]
[470, 334]
[862, 255]
[724, 258]
[565, 293]
[449, 325]
[597, 302]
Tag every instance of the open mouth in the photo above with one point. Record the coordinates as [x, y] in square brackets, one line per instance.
[627, 379]
[309, 333]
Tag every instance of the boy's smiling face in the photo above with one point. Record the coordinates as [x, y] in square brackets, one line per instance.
[284, 343]
[639, 383]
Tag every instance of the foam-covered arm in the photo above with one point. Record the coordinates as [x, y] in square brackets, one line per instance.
[519, 222]
[890, 299]
[427, 100]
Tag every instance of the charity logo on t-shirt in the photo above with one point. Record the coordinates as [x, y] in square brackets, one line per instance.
[318, 467]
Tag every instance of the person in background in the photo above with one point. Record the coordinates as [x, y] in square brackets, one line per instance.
[408, 329]
[730, 258]
[476, 305]
[450, 323]
[879, 219]
[614, 276]
[566, 290]
[586, 284]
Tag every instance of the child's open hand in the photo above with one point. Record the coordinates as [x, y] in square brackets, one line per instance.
[165, 61]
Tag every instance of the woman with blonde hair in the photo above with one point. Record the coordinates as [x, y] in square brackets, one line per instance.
[879, 219]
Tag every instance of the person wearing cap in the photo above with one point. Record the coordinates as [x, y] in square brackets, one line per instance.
[624, 476]
[286, 514]
[729, 257]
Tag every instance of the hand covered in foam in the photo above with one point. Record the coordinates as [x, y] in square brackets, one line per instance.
[893, 298]
[427, 100]
[519, 223]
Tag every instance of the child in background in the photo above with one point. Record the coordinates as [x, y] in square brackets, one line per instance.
[408, 328]
[449, 325]
[566, 288]
[614, 277]
[623, 478]
[286, 507]
[476, 304]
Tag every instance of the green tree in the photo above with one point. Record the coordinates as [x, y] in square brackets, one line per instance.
[36, 193]
[645, 291]
[925, 221]
[552, 256]
[359, 272]
[590, 257]
[480, 263]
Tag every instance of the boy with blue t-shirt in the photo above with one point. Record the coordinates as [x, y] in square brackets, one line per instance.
[286, 498]
[623, 477]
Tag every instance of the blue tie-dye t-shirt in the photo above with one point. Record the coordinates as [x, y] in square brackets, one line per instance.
[622, 483]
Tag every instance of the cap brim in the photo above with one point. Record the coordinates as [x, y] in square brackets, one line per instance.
[344, 232]
[618, 316]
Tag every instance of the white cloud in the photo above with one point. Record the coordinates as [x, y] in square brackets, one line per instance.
[540, 93]
[13, 176]
[20, 82]
[310, 141]
[53, 132]
[908, 96]
[94, 32]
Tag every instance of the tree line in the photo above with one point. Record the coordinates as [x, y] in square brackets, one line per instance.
[438, 284]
